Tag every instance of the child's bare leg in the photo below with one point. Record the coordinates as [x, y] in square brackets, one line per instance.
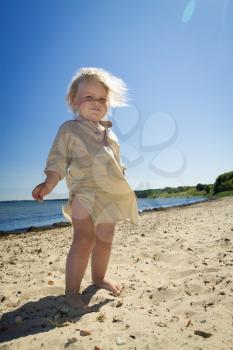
[77, 259]
[100, 257]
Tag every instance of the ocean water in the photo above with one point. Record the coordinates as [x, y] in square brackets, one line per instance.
[20, 215]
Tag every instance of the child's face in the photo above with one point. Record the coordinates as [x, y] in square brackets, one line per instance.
[91, 100]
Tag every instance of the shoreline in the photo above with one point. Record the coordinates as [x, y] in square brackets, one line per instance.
[67, 224]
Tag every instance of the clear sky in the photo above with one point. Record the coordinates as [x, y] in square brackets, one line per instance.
[176, 58]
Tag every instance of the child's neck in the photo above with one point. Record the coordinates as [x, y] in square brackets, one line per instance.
[83, 118]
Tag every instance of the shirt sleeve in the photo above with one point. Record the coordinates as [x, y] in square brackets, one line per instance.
[117, 150]
[123, 166]
[58, 159]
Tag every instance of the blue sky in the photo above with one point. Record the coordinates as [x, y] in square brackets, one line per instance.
[175, 57]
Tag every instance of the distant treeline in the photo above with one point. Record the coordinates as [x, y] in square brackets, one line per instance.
[223, 184]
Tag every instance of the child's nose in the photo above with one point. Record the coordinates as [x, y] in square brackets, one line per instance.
[97, 101]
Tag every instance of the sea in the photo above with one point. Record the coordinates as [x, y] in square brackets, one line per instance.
[23, 215]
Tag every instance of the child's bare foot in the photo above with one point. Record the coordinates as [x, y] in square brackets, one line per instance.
[75, 300]
[110, 285]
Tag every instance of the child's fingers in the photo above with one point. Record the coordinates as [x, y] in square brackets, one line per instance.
[40, 196]
[36, 194]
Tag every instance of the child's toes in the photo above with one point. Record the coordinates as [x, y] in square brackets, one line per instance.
[118, 289]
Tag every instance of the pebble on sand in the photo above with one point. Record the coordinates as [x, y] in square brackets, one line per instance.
[120, 341]
[84, 332]
[202, 334]
[18, 319]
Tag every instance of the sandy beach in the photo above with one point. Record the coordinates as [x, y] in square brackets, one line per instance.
[178, 277]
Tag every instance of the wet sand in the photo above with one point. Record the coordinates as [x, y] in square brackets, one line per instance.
[177, 271]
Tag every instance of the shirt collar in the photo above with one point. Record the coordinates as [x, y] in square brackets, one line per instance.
[105, 123]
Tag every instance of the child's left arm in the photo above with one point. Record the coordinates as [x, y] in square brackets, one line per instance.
[117, 151]
[58, 159]
[123, 166]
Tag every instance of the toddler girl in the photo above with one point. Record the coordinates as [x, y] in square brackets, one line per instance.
[86, 152]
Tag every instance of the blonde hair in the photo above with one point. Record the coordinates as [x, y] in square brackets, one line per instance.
[115, 87]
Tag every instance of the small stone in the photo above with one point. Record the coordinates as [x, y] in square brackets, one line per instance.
[2, 298]
[116, 319]
[18, 319]
[119, 303]
[160, 324]
[120, 341]
[84, 332]
[70, 341]
[65, 309]
[132, 336]
[222, 293]
[202, 334]
[101, 317]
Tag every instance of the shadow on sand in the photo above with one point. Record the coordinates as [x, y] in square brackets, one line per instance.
[45, 314]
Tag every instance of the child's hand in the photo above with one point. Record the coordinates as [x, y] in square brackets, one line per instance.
[40, 191]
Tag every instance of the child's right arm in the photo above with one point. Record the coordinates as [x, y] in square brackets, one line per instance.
[46, 187]
[56, 165]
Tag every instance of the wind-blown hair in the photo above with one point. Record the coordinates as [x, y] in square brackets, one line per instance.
[115, 87]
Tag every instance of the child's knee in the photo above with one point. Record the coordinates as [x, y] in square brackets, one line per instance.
[103, 240]
[105, 232]
[84, 236]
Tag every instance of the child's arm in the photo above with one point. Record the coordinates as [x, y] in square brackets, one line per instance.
[56, 165]
[58, 159]
[46, 187]
[52, 179]
[123, 166]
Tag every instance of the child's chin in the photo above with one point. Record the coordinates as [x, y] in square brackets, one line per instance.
[96, 116]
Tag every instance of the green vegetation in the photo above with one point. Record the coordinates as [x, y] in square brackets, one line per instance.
[224, 194]
[181, 191]
[224, 182]
[223, 186]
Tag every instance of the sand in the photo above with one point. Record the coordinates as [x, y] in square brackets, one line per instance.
[177, 271]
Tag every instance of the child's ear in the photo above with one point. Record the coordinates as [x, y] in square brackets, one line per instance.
[75, 102]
